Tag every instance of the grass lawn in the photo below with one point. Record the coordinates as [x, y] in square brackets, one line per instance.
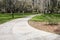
[7, 16]
[47, 18]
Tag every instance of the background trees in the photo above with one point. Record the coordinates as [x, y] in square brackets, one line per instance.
[53, 6]
[0, 5]
[15, 6]
[58, 6]
[9, 5]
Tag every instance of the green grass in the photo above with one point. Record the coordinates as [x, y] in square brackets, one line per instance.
[47, 18]
[7, 16]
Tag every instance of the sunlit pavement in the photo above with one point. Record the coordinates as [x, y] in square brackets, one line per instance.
[19, 29]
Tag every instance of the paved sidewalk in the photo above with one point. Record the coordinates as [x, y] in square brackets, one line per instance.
[19, 29]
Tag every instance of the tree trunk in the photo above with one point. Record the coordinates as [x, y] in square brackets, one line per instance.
[12, 14]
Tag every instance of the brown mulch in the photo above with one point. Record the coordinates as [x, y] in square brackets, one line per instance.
[44, 27]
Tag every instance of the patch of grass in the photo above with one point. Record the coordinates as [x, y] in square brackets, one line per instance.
[47, 18]
[7, 16]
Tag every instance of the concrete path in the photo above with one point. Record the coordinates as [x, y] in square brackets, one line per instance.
[19, 29]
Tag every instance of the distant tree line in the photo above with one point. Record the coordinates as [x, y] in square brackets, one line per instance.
[14, 6]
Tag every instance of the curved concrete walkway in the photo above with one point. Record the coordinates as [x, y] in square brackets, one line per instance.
[19, 29]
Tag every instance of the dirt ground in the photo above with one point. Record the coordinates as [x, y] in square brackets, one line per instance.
[44, 27]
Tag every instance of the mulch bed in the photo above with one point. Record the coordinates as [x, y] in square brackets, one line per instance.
[44, 27]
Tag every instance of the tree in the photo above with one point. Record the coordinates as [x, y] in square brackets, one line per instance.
[10, 6]
[0, 5]
[58, 5]
[52, 5]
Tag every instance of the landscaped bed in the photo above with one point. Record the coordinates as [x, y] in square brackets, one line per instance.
[46, 22]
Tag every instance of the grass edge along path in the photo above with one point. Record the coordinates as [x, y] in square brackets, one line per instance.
[7, 16]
